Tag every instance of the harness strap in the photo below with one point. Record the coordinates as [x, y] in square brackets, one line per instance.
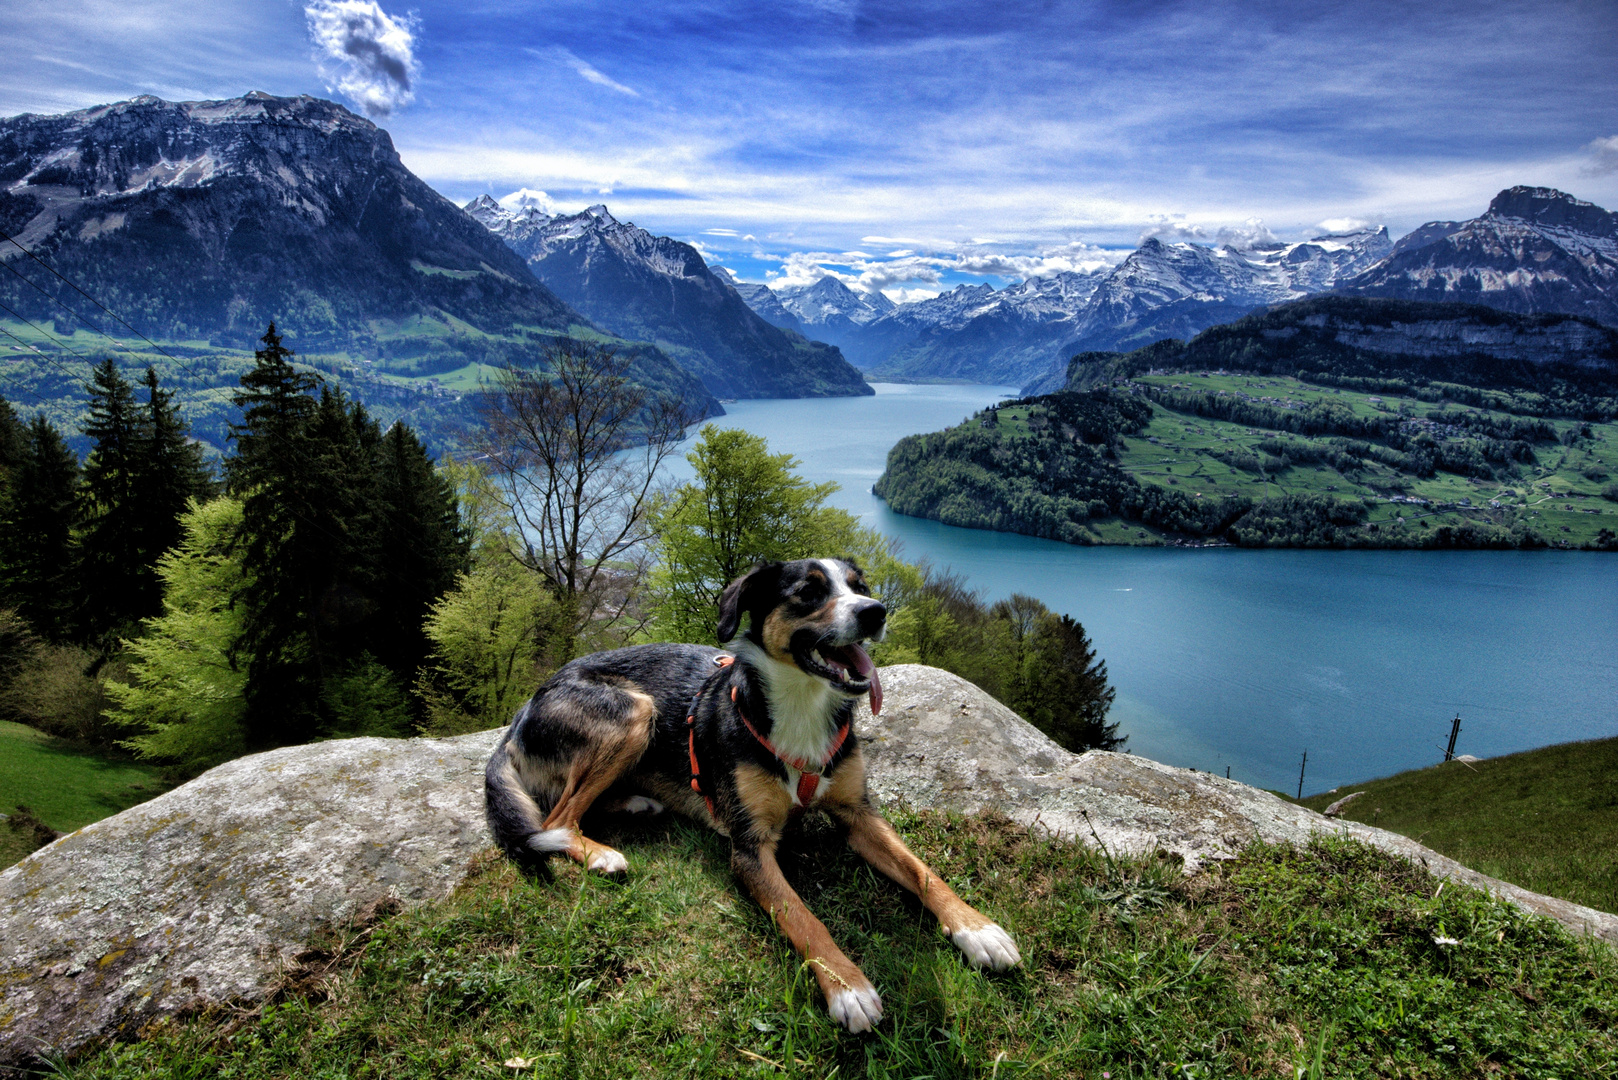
[809, 773]
[722, 661]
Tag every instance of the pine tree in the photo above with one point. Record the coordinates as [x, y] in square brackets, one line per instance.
[277, 477]
[170, 473]
[111, 562]
[38, 558]
[422, 547]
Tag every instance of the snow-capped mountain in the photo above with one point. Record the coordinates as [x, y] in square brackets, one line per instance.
[761, 299]
[210, 218]
[657, 289]
[1534, 250]
[1028, 329]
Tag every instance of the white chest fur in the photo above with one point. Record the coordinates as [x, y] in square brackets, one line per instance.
[802, 707]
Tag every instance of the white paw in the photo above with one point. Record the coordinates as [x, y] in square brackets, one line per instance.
[640, 804]
[988, 946]
[609, 862]
[857, 1010]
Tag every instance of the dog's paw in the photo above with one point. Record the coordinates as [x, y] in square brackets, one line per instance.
[608, 861]
[859, 1009]
[640, 804]
[988, 946]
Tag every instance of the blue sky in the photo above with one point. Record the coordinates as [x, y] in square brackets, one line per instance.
[907, 146]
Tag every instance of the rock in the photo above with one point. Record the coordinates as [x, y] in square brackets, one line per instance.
[1336, 808]
[943, 742]
[205, 893]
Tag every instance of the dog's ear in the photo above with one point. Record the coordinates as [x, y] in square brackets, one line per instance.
[740, 595]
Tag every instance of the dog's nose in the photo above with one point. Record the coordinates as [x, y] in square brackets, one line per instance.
[870, 616]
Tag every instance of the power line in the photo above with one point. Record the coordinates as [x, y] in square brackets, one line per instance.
[57, 300]
[13, 242]
[48, 357]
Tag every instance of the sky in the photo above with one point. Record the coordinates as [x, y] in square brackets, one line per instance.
[907, 146]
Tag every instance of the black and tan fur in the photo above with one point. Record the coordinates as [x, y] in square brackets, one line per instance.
[610, 730]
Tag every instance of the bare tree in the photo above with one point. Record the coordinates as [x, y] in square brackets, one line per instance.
[575, 449]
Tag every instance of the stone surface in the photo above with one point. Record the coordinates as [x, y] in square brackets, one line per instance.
[204, 893]
[941, 741]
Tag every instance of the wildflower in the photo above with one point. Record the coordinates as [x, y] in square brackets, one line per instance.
[1440, 940]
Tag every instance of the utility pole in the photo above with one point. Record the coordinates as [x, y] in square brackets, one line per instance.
[1455, 729]
[1302, 767]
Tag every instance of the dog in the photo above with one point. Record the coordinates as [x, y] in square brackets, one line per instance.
[741, 741]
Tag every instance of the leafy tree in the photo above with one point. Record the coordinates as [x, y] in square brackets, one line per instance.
[38, 558]
[494, 637]
[184, 702]
[745, 505]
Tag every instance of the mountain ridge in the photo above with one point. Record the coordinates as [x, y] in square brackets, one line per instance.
[658, 289]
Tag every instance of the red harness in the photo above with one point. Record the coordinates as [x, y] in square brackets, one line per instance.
[809, 773]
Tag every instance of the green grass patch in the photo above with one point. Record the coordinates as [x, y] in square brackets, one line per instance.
[1336, 960]
[67, 786]
[1544, 819]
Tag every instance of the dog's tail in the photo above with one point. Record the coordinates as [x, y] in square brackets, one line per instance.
[517, 817]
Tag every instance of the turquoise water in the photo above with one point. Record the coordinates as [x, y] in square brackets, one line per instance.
[1245, 659]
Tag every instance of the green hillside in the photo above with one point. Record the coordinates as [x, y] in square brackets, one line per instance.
[65, 785]
[1544, 819]
[420, 370]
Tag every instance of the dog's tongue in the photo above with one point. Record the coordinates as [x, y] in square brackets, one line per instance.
[867, 670]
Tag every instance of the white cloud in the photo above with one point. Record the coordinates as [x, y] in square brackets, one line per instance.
[1173, 231]
[526, 198]
[364, 53]
[719, 232]
[1345, 225]
[1247, 236]
[586, 71]
[910, 296]
[1603, 157]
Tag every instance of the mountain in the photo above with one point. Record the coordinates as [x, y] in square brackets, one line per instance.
[208, 219]
[200, 222]
[827, 311]
[764, 302]
[653, 288]
[1026, 332]
[1534, 250]
[1361, 338]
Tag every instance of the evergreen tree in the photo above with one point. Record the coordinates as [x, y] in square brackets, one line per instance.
[282, 484]
[111, 561]
[170, 473]
[38, 558]
[422, 547]
[1063, 687]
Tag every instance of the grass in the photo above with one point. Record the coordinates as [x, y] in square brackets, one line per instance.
[67, 786]
[1183, 455]
[1336, 960]
[1544, 819]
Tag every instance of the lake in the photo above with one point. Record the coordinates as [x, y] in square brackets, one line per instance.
[1245, 659]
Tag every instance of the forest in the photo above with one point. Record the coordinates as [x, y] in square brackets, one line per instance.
[328, 578]
[1201, 458]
